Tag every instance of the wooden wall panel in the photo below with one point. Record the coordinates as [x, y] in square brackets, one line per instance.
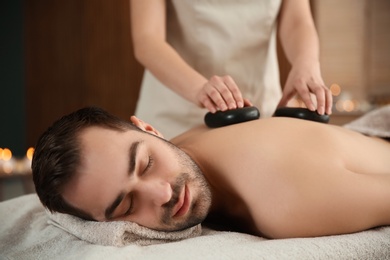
[78, 53]
[111, 69]
[53, 62]
[379, 48]
[341, 27]
[355, 40]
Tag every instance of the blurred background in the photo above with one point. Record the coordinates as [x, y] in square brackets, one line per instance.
[60, 55]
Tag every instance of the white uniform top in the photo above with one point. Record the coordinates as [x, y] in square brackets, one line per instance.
[216, 37]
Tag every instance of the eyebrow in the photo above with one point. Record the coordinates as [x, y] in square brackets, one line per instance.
[110, 210]
[133, 154]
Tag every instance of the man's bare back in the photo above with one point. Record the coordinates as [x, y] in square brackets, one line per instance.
[286, 177]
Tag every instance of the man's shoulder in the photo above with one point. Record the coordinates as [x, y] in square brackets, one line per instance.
[190, 134]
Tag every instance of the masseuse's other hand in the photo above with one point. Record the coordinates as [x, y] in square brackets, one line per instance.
[305, 79]
[221, 93]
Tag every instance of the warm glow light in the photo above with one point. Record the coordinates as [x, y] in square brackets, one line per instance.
[356, 105]
[339, 105]
[335, 89]
[7, 168]
[7, 154]
[1, 153]
[30, 153]
[348, 105]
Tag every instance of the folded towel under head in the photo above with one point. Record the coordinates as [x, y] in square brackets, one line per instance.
[117, 233]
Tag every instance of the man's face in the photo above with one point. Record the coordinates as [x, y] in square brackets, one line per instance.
[135, 176]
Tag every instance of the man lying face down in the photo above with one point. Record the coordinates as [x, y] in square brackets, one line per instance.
[276, 177]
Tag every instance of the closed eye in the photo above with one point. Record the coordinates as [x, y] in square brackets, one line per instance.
[131, 207]
[149, 165]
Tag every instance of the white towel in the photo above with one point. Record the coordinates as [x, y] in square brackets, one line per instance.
[374, 123]
[117, 233]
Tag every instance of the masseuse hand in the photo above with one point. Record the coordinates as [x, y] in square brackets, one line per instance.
[221, 93]
[304, 79]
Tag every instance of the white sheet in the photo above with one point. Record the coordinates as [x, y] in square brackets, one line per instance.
[26, 234]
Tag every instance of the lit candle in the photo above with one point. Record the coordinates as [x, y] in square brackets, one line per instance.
[28, 159]
[1, 160]
[8, 161]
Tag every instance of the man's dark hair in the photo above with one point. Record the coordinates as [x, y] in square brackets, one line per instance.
[57, 155]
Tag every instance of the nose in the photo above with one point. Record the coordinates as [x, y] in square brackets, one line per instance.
[156, 192]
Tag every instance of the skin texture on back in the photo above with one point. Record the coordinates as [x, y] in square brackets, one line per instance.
[292, 177]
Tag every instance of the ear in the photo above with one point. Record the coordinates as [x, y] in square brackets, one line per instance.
[145, 126]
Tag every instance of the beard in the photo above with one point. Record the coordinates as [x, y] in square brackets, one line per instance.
[201, 200]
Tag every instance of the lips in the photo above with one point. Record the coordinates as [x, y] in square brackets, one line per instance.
[183, 204]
